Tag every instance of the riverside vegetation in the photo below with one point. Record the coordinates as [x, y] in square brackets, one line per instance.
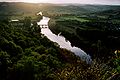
[25, 54]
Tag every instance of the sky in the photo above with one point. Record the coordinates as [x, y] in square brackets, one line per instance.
[109, 2]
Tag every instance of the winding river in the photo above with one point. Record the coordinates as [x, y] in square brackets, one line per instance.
[61, 40]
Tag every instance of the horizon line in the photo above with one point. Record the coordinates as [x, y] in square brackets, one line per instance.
[57, 3]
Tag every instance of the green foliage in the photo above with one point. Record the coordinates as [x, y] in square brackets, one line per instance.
[26, 55]
[39, 17]
[40, 49]
[5, 63]
[116, 63]
[27, 21]
[103, 33]
[31, 68]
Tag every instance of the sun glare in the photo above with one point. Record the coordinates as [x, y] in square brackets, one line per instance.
[35, 1]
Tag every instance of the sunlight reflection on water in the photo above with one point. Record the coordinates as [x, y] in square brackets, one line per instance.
[62, 41]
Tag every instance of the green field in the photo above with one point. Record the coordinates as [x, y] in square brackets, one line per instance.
[73, 18]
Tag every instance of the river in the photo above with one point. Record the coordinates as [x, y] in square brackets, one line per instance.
[61, 40]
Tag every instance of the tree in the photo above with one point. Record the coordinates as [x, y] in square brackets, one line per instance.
[4, 64]
[30, 68]
[39, 17]
[40, 49]
[27, 22]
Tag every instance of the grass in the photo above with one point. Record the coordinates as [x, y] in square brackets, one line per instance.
[73, 18]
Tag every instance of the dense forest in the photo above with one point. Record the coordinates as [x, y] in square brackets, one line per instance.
[26, 54]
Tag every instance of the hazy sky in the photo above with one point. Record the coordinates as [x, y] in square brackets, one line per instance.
[69, 1]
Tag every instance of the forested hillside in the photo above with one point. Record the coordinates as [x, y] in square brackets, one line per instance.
[20, 10]
[26, 54]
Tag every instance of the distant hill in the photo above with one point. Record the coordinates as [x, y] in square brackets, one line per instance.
[20, 8]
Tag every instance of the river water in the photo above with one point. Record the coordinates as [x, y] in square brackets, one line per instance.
[61, 40]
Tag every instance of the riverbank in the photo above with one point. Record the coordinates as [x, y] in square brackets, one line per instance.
[94, 40]
[61, 40]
